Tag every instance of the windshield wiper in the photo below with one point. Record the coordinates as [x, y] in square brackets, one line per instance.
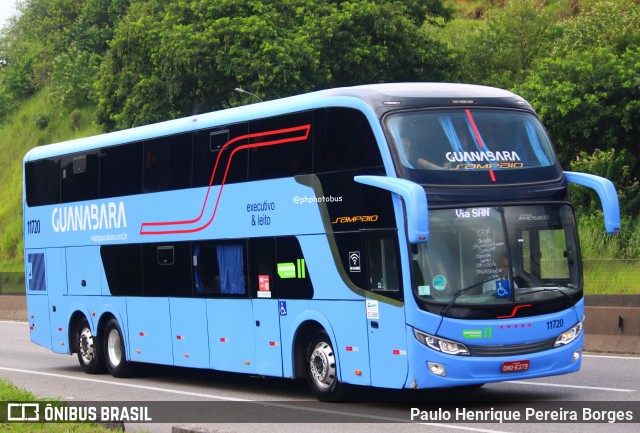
[462, 292]
[549, 289]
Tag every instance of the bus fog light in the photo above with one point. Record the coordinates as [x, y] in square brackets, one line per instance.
[569, 335]
[576, 355]
[437, 369]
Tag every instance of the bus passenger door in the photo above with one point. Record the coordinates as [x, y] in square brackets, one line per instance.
[266, 306]
[37, 297]
[387, 344]
[385, 312]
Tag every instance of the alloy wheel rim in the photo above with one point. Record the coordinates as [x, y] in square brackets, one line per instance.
[113, 347]
[86, 345]
[322, 366]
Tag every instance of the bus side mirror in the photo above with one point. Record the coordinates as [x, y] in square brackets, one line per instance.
[415, 200]
[608, 197]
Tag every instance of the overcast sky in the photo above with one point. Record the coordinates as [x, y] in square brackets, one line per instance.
[7, 9]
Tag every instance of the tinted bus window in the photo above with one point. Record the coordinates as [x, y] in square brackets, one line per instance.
[352, 256]
[471, 146]
[123, 268]
[121, 170]
[280, 146]
[167, 269]
[294, 281]
[79, 177]
[167, 163]
[219, 269]
[43, 182]
[262, 253]
[371, 261]
[384, 265]
[217, 149]
[343, 141]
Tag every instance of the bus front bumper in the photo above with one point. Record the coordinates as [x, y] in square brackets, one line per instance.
[429, 368]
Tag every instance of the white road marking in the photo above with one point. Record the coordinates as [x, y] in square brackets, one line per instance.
[127, 385]
[559, 385]
[459, 427]
[275, 404]
[610, 357]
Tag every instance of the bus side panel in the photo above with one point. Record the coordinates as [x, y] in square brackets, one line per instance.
[296, 312]
[57, 284]
[150, 330]
[38, 311]
[387, 344]
[115, 306]
[266, 312]
[37, 299]
[189, 332]
[348, 321]
[231, 336]
[84, 270]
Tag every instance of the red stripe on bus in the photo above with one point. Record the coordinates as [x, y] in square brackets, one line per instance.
[515, 310]
[304, 128]
[479, 139]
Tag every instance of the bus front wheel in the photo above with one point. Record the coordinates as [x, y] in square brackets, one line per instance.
[114, 350]
[89, 349]
[321, 369]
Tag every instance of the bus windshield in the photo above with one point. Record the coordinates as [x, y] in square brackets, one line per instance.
[497, 255]
[436, 146]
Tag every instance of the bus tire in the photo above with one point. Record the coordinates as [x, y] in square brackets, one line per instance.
[115, 354]
[89, 349]
[321, 369]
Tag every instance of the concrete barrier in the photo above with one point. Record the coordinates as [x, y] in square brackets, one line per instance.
[612, 321]
[13, 307]
[612, 324]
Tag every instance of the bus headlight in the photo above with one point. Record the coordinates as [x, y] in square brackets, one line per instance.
[569, 335]
[441, 344]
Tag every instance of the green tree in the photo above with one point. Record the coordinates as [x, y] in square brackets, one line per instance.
[126, 88]
[514, 38]
[373, 41]
[75, 69]
[57, 43]
[588, 91]
[169, 59]
[31, 42]
[615, 166]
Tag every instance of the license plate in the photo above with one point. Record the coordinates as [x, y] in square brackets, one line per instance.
[515, 366]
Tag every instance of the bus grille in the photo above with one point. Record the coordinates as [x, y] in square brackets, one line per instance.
[514, 349]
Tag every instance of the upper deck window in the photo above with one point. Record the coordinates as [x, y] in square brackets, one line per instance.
[471, 146]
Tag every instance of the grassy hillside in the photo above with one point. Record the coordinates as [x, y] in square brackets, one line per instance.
[38, 121]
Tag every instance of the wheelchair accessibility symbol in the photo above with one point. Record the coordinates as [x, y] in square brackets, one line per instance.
[282, 306]
[503, 289]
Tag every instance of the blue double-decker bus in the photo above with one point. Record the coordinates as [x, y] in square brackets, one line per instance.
[409, 235]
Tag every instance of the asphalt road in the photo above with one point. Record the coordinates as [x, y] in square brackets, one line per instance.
[257, 404]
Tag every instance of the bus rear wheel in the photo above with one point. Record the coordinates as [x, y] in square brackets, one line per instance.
[322, 370]
[89, 349]
[114, 350]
